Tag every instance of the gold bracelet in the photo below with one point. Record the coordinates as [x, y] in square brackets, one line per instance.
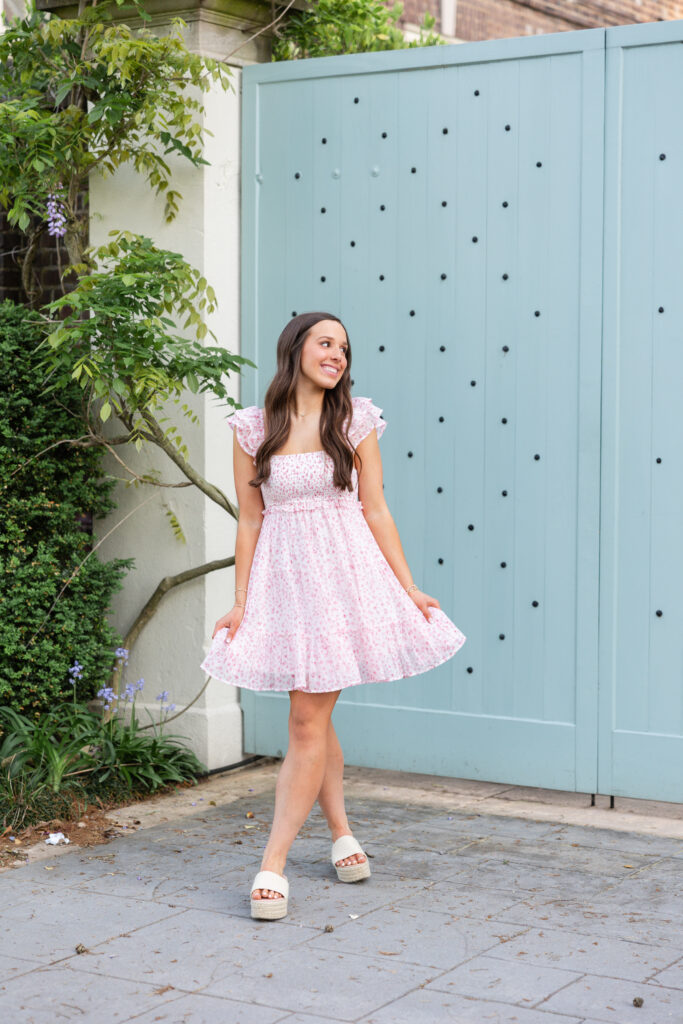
[413, 586]
[241, 588]
[240, 605]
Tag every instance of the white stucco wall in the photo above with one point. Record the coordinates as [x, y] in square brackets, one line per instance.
[169, 650]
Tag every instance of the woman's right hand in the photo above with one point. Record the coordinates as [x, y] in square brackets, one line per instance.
[231, 621]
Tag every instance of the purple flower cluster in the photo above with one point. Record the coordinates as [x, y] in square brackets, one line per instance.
[107, 694]
[55, 212]
[163, 697]
[76, 672]
[132, 689]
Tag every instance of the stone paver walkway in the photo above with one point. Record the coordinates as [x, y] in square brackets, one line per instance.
[471, 915]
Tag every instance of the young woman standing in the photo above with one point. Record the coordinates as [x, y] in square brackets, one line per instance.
[324, 597]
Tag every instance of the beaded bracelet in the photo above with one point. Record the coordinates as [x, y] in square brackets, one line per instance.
[413, 586]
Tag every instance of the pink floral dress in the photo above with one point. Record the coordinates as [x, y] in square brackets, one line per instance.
[324, 609]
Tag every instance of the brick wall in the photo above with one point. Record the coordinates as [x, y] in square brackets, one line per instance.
[497, 19]
[50, 255]
[11, 242]
[413, 12]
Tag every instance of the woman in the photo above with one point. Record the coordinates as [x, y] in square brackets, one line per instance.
[324, 598]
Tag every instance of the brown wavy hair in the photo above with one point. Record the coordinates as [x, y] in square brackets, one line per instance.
[336, 412]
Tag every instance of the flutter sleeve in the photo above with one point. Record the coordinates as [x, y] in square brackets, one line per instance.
[248, 423]
[366, 415]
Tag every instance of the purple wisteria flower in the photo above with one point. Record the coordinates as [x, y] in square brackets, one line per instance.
[55, 212]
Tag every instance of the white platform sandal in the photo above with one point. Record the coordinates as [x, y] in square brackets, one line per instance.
[266, 908]
[344, 847]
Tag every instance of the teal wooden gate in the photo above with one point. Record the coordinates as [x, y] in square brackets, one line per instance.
[640, 744]
[459, 207]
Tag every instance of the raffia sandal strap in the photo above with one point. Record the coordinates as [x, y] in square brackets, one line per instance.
[345, 846]
[271, 880]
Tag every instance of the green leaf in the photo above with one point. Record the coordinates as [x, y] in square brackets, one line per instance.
[95, 113]
[64, 88]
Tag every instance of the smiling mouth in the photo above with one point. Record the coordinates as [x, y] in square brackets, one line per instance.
[330, 370]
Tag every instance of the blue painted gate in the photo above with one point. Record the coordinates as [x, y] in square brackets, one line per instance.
[495, 226]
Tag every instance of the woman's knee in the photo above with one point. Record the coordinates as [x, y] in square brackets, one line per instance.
[309, 716]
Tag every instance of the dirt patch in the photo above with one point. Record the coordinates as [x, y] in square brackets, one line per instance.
[92, 828]
[89, 830]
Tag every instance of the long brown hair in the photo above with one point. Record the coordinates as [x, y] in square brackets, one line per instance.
[337, 408]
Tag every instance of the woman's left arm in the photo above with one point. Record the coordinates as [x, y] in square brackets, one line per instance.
[381, 522]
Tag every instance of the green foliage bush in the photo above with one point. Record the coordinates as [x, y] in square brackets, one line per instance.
[72, 755]
[331, 27]
[44, 508]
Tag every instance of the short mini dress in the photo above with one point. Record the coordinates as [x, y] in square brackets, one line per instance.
[324, 609]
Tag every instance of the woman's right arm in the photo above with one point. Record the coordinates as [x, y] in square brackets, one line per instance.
[250, 501]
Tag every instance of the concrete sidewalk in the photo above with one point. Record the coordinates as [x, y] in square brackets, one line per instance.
[487, 903]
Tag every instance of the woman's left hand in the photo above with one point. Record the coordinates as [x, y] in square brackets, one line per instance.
[424, 602]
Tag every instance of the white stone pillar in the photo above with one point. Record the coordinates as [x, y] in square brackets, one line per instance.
[207, 233]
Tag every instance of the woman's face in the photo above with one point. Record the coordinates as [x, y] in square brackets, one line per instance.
[323, 356]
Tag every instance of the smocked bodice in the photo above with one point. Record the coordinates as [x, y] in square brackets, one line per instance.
[305, 480]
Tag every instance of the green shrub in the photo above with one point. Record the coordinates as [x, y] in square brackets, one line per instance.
[45, 511]
[331, 27]
[73, 754]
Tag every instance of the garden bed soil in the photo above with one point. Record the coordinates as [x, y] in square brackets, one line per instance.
[101, 823]
[95, 826]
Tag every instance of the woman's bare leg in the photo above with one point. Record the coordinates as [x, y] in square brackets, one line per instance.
[300, 777]
[331, 795]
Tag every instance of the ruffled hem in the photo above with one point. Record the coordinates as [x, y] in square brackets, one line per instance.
[333, 662]
[328, 689]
